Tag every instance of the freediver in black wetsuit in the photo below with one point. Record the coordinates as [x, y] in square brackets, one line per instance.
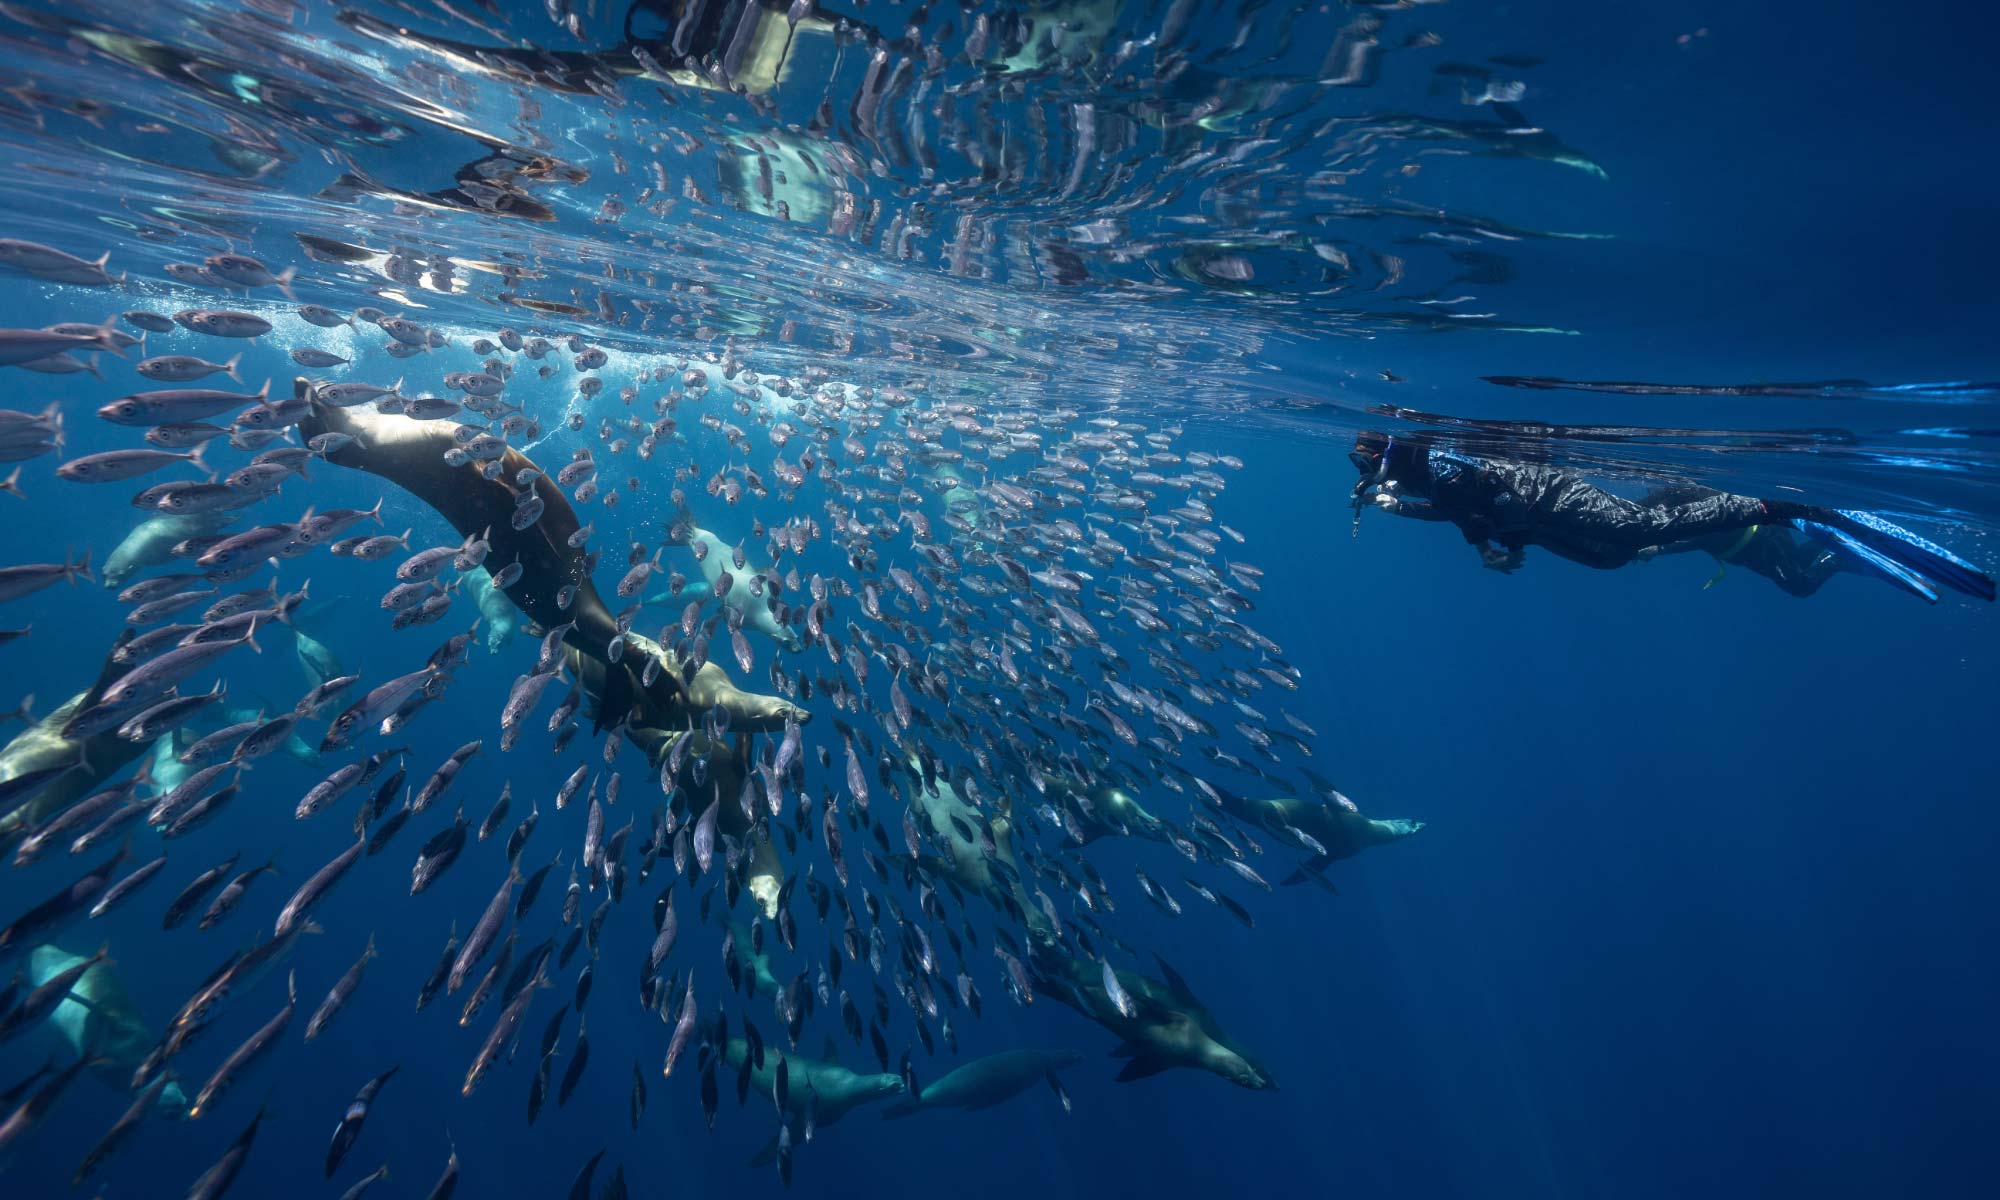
[1503, 507]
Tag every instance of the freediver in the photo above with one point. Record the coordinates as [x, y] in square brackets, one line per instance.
[1504, 506]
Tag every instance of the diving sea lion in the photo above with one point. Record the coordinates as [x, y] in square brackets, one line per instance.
[411, 454]
[954, 825]
[164, 768]
[652, 720]
[295, 745]
[151, 543]
[832, 1089]
[763, 980]
[1097, 811]
[1339, 827]
[494, 608]
[959, 497]
[718, 556]
[985, 1082]
[693, 589]
[656, 732]
[42, 745]
[316, 659]
[1168, 1027]
[99, 1018]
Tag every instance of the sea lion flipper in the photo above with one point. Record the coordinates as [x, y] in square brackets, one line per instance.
[1177, 985]
[1142, 1066]
[108, 673]
[614, 707]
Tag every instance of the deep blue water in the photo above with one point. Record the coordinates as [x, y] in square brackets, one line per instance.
[1703, 902]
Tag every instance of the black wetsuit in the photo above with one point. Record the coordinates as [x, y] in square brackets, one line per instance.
[1515, 505]
[1796, 564]
[1503, 507]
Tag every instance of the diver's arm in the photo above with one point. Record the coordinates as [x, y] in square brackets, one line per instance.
[1478, 533]
[1391, 501]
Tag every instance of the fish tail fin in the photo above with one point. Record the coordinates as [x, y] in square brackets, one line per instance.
[284, 282]
[196, 460]
[79, 568]
[107, 335]
[93, 368]
[12, 484]
[229, 368]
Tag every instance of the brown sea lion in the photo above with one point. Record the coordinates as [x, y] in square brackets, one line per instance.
[411, 454]
[42, 745]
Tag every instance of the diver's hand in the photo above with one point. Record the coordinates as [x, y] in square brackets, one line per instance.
[1387, 502]
[1497, 559]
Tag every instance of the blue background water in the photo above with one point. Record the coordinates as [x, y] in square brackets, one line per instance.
[1705, 900]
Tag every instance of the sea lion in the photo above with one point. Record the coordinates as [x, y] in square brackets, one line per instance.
[959, 497]
[99, 1018]
[1103, 810]
[316, 659]
[411, 454]
[831, 1089]
[295, 745]
[42, 745]
[151, 543]
[985, 1082]
[502, 621]
[1340, 828]
[954, 825]
[1167, 1026]
[164, 768]
[757, 969]
[723, 762]
[717, 556]
[692, 590]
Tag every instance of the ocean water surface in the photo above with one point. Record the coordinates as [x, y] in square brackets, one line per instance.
[1019, 351]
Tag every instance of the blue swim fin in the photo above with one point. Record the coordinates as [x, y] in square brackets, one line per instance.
[1887, 550]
